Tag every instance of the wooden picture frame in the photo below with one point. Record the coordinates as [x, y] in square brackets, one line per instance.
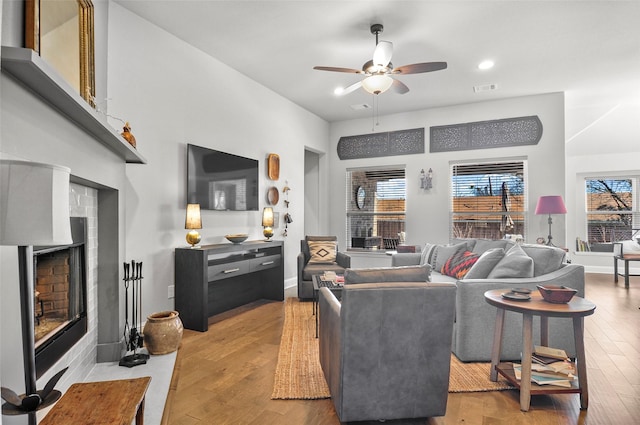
[35, 19]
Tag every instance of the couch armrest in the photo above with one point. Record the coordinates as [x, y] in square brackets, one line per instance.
[343, 260]
[329, 339]
[475, 318]
[301, 265]
[406, 259]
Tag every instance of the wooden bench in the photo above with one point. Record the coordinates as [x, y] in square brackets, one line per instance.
[106, 403]
[619, 255]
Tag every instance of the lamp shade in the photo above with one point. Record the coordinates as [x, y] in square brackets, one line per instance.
[267, 217]
[376, 84]
[34, 204]
[551, 205]
[193, 220]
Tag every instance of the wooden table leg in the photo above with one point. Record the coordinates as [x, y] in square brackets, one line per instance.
[615, 270]
[140, 413]
[544, 331]
[527, 345]
[578, 334]
[626, 274]
[497, 344]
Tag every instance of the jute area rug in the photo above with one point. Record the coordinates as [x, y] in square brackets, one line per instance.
[299, 375]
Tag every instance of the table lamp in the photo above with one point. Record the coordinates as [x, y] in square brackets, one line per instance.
[193, 222]
[267, 222]
[34, 210]
[552, 204]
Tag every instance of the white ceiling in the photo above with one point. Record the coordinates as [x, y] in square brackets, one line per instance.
[589, 50]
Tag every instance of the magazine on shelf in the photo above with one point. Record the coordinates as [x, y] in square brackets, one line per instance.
[543, 380]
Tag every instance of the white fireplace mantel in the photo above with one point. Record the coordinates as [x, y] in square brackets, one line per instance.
[31, 70]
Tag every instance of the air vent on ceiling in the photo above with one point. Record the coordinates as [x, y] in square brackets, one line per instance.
[485, 87]
[360, 106]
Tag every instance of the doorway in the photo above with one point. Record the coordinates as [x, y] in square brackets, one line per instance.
[311, 193]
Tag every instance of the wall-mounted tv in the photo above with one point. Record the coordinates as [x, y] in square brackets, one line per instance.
[221, 181]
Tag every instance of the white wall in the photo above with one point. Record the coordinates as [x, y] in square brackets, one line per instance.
[428, 211]
[173, 94]
[605, 145]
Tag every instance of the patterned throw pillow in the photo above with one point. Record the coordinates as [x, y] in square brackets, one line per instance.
[459, 264]
[322, 251]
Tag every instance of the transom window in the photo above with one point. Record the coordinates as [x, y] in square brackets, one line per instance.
[376, 205]
[612, 208]
[488, 200]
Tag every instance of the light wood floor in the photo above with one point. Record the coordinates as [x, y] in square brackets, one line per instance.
[225, 376]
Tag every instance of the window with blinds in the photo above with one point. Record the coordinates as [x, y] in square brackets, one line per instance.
[377, 216]
[488, 200]
[613, 213]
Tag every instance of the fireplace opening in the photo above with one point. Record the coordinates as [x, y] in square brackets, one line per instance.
[60, 297]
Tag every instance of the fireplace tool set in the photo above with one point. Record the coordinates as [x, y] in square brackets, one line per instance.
[132, 336]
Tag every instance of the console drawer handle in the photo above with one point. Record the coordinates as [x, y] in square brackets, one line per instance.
[231, 271]
[266, 263]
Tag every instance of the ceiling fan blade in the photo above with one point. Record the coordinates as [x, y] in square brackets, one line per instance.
[351, 88]
[399, 87]
[418, 68]
[335, 69]
[382, 53]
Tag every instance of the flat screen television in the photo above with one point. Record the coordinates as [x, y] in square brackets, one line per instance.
[221, 181]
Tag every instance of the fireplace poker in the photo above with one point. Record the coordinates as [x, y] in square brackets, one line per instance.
[133, 339]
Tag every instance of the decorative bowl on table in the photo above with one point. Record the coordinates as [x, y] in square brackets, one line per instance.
[556, 294]
[237, 238]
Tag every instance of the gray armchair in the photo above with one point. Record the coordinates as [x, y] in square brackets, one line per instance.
[306, 269]
[385, 350]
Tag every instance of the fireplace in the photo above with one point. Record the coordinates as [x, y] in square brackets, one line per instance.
[60, 297]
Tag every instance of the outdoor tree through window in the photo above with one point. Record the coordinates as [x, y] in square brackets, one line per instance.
[488, 199]
[612, 213]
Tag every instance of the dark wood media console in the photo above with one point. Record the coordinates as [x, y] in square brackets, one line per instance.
[212, 279]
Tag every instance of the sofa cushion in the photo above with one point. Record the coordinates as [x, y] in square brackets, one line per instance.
[388, 274]
[319, 268]
[546, 259]
[471, 242]
[515, 264]
[485, 264]
[482, 245]
[322, 251]
[427, 254]
[444, 252]
[458, 265]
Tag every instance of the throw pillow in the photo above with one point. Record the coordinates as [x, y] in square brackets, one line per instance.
[515, 264]
[322, 251]
[458, 265]
[444, 252]
[485, 264]
[427, 253]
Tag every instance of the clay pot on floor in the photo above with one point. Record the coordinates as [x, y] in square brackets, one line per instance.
[163, 332]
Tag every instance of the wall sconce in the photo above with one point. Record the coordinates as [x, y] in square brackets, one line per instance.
[267, 222]
[426, 179]
[550, 205]
[192, 222]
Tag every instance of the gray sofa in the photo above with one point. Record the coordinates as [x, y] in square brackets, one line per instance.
[475, 318]
[385, 349]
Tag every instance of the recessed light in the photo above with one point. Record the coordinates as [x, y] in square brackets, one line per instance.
[338, 91]
[487, 64]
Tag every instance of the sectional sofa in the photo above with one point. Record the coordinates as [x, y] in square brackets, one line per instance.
[479, 265]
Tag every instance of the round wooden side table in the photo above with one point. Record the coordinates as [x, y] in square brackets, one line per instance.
[575, 309]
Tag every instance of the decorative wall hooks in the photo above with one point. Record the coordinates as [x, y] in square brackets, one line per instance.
[287, 216]
[426, 179]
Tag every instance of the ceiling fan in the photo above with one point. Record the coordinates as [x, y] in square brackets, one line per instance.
[379, 70]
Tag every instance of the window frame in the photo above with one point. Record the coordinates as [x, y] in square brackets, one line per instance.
[634, 212]
[368, 224]
[518, 203]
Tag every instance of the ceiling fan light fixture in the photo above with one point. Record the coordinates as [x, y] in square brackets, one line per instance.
[376, 84]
